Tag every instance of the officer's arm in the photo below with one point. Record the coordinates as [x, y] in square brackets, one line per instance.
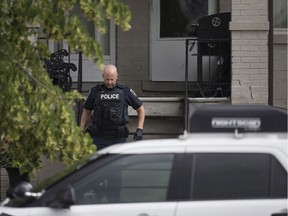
[85, 118]
[141, 117]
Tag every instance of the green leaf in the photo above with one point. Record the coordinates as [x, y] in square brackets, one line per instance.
[38, 118]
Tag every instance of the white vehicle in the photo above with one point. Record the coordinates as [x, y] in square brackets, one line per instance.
[200, 173]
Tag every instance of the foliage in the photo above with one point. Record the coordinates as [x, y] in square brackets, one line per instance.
[37, 118]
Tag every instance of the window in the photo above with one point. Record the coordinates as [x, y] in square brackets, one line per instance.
[237, 176]
[176, 16]
[131, 178]
[280, 13]
[103, 39]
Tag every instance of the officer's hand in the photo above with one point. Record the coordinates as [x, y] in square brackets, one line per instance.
[138, 135]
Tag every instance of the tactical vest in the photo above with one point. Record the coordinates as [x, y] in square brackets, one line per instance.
[110, 109]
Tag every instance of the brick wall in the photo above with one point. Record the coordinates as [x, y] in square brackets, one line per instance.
[4, 183]
[249, 32]
[132, 47]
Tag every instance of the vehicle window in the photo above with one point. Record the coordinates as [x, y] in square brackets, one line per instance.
[131, 178]
[237, 176]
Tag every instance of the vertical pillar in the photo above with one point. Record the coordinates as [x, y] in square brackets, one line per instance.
[249, 28]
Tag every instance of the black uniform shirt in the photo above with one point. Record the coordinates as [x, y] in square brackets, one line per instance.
[129, 97]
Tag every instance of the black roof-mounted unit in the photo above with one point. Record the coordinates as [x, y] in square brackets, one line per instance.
[244, 118]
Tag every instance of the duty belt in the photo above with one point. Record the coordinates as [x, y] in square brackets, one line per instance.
[116, 133]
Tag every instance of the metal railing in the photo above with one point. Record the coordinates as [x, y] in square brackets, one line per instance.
[219, 80]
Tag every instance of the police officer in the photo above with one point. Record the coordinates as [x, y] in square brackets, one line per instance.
[108, 104]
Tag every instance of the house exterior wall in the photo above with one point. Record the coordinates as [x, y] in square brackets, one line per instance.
[132, 47]
[4, 183]
[249, 32]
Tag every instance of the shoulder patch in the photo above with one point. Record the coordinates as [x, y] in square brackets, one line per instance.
[132, 92]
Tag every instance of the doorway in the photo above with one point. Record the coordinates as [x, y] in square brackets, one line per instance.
[170, 26]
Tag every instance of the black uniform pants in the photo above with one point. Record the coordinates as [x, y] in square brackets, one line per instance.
[104, 141]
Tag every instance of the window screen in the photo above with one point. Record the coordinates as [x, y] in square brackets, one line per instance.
[237, 176]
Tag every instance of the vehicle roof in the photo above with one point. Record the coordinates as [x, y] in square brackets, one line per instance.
[200, 140]
[259, 143]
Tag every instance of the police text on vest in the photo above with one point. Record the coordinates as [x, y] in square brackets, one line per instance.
[109, 96]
